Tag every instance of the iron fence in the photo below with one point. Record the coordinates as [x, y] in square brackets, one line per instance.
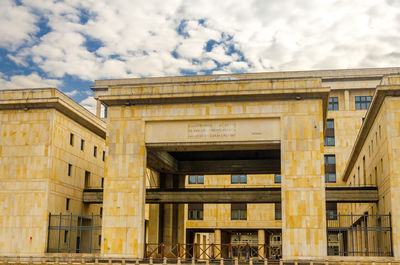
[212, 251]
[359, 235]
[74, 233]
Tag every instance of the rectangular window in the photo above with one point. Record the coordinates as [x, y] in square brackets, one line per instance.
[102, 182]
[104, 156]
[331, 211]
[65, 236]
[69, 170]
[363, 102]
[82, 144]
[99, 240]
[195, 211]
[330, 133]
[67, 204]
[330, 168]
[278, 211]
[238, 179]
[87, 179]
[333, 103]
[101, 211]
[196, 179]
[277, 178]
[239, 211]
[71, 139]
[95, 151]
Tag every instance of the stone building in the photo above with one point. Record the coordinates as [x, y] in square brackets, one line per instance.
[291, 165]
[51, 148]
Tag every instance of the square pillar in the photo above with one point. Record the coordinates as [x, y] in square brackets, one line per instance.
[124, 190]
[303, 183]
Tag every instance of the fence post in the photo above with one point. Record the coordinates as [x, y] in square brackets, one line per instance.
[391, 236]
[59, 234]
[178, 250]
[195, 251]
[162, 250]
[48, 234]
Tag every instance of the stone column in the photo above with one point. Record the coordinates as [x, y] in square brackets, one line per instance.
[303, 182]
[346, 100]
[98, 108]
[217, 241]
[261, 242]
[124, 189]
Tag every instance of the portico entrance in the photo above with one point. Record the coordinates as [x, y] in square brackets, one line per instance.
[212, 127]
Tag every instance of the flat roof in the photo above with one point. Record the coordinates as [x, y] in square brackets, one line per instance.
[42, 98]
[326, 76]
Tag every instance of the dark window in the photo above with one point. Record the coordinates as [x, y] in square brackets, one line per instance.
[278, 211]
[363, 102]
[71, 139]
[101, 211]
[239, 211]
[330, 133]
[82, 144]
[196, 179]
[331, 210]
[65, 236]
[87, 179]
[195, 211]
[95, 151]
[99, 240]
[102, 182]
[330, 168]
[69, 169]
[104, 155]
[238, 179]
[67, 204]
[277, 178]
[333, 103]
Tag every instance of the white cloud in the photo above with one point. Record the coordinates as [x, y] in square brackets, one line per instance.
[89, 103]
[17, 25]
[27, 81]
[138, 38]
[72, 93]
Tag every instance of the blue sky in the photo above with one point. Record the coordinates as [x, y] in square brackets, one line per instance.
[69, 44]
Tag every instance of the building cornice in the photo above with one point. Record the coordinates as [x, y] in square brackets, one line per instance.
[51, 98]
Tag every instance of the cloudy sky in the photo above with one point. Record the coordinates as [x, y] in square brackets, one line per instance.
[68, 44]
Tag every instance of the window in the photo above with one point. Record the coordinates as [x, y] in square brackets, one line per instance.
[238, 179]
[65, 236]
[102, 182]
[196, 179]
[104, 155]
[67, 204]
[278, 211]
[99, 240]
[71, 139]
[69, 170]
[330, 168]
[87, 179]
[95, 151]
[330, 133]
[239, 211]
[331, 211]
[277, 178]
[363, 102]
[333, 103]
[82, 144]
[101, 211]
[195, 211]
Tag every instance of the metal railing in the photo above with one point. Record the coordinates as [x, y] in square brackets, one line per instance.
[212, 251]
[359, 235]
[74, 233]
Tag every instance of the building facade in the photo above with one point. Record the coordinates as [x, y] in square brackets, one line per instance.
[50, 149]
[286, 165]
